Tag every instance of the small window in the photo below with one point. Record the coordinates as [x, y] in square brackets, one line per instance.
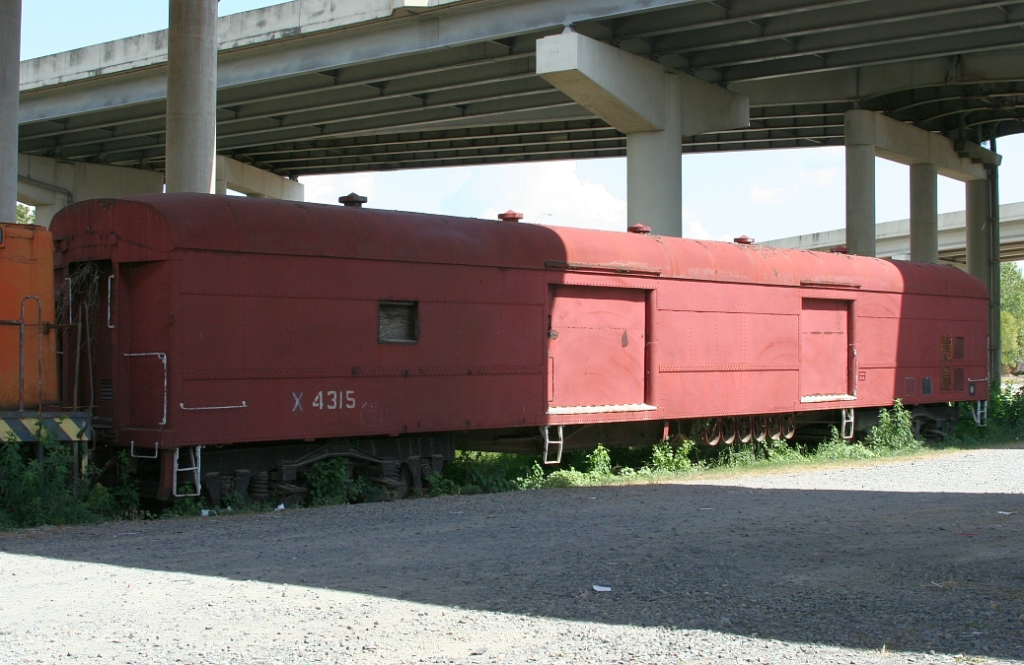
[398, 323]
[926, 385]
[958, 380]
[958, 348]
[911, 385]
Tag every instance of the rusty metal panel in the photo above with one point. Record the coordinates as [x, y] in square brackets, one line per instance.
[269, 313]
[597, 346]
[26, 294]
[824, 347]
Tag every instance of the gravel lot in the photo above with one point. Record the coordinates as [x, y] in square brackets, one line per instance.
[915, 561]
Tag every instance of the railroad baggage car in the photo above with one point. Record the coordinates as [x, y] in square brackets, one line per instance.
[243, 339]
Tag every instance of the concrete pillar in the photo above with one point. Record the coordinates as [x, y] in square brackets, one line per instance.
[924, 213]
[979, 250]
[654, 170]
[860, 199]
[191, 96]
[653, 107]
[995, 292]
[10, 75]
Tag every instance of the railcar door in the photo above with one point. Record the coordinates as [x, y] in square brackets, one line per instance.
[824, 350]
[596, 349]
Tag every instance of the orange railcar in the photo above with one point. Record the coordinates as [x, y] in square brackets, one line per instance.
[28, 368]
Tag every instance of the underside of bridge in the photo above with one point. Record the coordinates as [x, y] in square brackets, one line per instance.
[457, 84]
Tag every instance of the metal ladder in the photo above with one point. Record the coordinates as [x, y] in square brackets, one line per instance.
[552, 445]
[979, 411]
[192, 472]
[848, 422]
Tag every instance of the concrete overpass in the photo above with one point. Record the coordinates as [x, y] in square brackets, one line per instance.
[893, 239]
[313, 86]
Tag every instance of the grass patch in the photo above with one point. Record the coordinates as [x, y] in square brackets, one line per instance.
[34, 492]
[679, 459]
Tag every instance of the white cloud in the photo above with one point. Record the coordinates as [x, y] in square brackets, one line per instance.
[549, 193]
[769, 195]
[552, 193]
[694, 228]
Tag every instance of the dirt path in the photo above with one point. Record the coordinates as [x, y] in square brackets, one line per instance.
[821, 566]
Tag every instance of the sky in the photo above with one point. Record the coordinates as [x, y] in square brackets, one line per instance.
[763, 194]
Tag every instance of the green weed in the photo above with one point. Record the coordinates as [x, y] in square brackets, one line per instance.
[34, 492]
[331, 482]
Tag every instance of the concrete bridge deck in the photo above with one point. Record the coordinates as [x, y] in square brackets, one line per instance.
[317, 86]
[893, 238]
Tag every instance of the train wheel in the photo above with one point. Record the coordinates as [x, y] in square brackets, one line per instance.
[406, 485]
[775, 427]
[788, 426]
[711, 434]
[728, 430]
[745, 429]
[759, 425]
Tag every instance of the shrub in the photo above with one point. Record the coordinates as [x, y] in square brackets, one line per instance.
[331, 483]
[894, 432]
[34, 492]
[668, 459]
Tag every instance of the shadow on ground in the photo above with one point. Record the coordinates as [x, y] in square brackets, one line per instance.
[912, 571]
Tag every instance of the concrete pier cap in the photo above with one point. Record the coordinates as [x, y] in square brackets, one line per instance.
[654, 106]
[869, 134]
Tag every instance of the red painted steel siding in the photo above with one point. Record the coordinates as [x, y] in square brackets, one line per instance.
[824, 347]
[597, 355]
[274, 305]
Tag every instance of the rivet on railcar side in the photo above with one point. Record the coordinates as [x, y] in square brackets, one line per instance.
[229, 343]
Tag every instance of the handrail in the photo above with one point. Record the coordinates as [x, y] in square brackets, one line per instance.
[110, 291]
[21, 352]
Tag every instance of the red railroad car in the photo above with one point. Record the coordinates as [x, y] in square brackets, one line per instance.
[242, 339]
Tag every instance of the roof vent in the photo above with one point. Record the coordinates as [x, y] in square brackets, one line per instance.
[352, 200]
[639, 228]
[840, 249]
[510, 216]
[743, 240]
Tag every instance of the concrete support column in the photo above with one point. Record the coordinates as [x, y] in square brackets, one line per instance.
[979, 250]
[860, 199]
[924, 213]
[654, 170]
[10, 75]
[655, 108]
[982, 257]
[191, 96]
[995, 291]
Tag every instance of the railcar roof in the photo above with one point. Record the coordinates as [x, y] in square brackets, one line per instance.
[152, 226]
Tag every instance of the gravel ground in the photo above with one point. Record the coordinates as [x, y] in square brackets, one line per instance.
[913, 561]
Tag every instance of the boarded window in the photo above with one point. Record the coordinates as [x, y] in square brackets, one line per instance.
[946, 380]
[958, 379]
[958, 348]
[398, 322]
[911, 385]
[946, 348]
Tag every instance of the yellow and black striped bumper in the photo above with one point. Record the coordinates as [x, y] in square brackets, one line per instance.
[23, 426]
